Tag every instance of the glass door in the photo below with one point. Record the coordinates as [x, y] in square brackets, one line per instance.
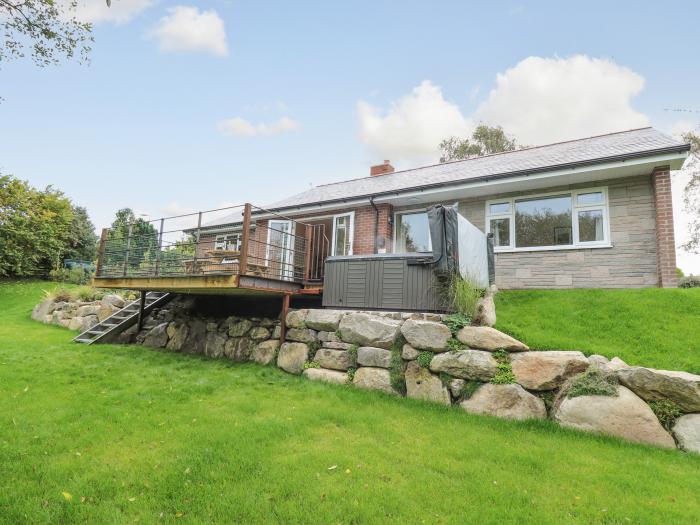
[279, 256]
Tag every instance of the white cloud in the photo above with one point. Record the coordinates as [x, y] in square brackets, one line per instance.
[187, 29]
[538, 101]
[121, 11]
[544, 100]
[413, 126]
[240, 127]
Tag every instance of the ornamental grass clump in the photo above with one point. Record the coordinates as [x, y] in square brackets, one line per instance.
[667, 412]
[463, 296]
[593, 383]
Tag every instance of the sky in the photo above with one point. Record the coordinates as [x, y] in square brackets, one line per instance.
[197, 105]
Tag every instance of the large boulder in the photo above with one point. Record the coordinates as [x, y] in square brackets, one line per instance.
[456, 386]
[239, 328]
[296, 318]
[328, 337]
[604, 364]
[373, 379]
[177, 334]
[82, 323]
[467, 364]
[214, 344]
[196, 337]
[507, 401]
[301, 335]
[687, 432]
[157, 337]
[409, 353]
[369, 330]
[334, 359]
[259, 333]
[327, 320]
[238, 349]
[88, 309]
[487, 338]
[421, 384]
[42, 309]
[337, 346]
[328, 376]
[682, 388]
[625, 415]
[264, 353]
[371, 356]
[426, 335]
[292, 356]
[113, 300]
[104, 311]
[486, 310]
[547, 370]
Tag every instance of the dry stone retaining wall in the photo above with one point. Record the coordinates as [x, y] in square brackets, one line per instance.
[77, 315]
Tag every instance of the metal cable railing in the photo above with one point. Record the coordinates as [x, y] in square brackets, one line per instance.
[226, 241]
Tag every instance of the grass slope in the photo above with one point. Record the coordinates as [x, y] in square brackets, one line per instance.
[136, 435]
[650, 327]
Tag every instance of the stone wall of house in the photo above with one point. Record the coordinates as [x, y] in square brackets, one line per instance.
[632, 262]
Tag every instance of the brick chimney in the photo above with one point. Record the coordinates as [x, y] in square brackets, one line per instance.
[381, 169]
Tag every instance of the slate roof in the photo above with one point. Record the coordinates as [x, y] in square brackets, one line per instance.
[603, 148]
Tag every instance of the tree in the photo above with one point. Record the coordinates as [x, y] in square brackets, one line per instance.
[129, 237]
[484, 141]
[82, 241]
[691, 197]
[34, 227]
[46, 29]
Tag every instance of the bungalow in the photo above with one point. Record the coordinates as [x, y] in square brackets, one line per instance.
[588, 213]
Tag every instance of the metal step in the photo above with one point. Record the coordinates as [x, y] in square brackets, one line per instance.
[115, 324]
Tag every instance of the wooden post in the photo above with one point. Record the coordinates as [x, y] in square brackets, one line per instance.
[285, 310]
[142, 305]
[128, 247]
[243, 257]
[307, 258]
[101, 252]
[160, 247]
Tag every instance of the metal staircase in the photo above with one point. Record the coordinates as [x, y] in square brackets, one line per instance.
[115, 324]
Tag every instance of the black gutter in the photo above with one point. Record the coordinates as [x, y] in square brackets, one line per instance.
[376, 222]
[505, 175]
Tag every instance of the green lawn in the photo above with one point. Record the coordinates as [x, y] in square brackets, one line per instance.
[137, 435]
[650, 327]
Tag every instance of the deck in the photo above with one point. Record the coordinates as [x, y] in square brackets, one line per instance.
[236, 250]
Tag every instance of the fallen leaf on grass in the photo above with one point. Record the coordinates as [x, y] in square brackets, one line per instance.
[333, 467]
[67, 496]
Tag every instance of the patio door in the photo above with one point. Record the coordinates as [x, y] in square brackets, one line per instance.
[280, 249]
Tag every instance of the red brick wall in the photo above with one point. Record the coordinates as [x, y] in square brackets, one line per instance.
[665, 240]
[364, 241]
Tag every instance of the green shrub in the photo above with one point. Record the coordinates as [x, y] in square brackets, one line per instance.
[424, 359]
[692, 281]
[351, 373]
[667, 412]
[311, 364]
[88, 293]
[504, 370]
[75, 275]
[313, 348]
[455, 322]
[62, 294]
[548, 397]
[353, 352]
[593, 383]
[463, 296]
[456, 345]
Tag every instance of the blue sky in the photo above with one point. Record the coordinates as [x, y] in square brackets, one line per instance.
[170, 117]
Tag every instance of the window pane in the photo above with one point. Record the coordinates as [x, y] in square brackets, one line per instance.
[590, 226]
[543, 221]
[499, 207]
[413, 233]
[589, 198]
[501, 232]
[342, 235]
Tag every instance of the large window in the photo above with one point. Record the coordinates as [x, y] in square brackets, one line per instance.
[551, 221]
[231, 241]
[412, 233]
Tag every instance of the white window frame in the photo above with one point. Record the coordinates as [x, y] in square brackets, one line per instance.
[412, 211]
[222, 240]
[575, 209]
[351, 230]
